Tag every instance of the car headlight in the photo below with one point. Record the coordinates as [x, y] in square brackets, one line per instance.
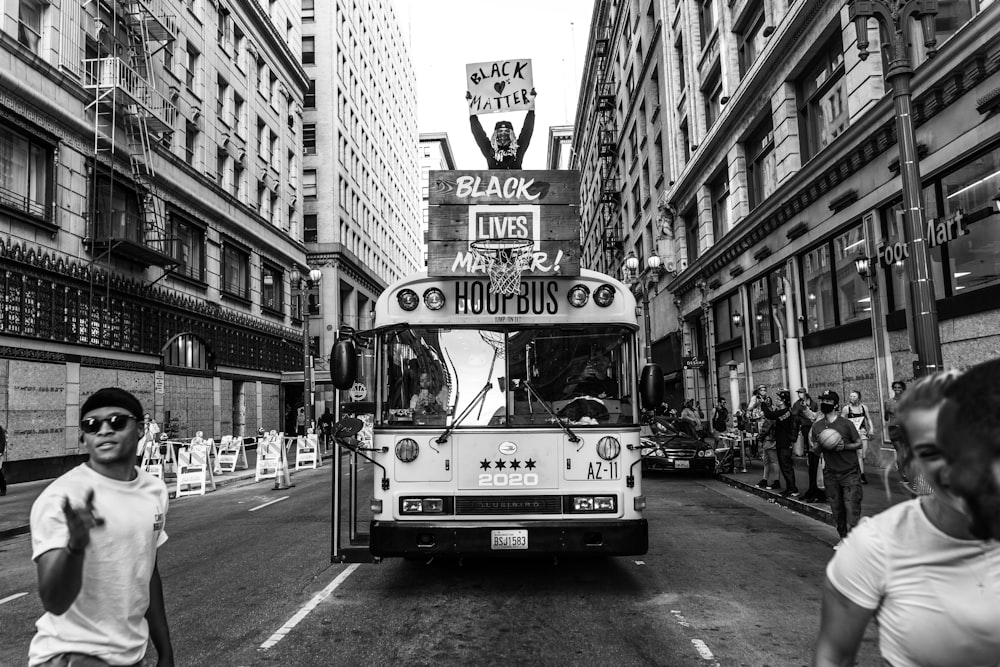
[407, 450]
[609, 448]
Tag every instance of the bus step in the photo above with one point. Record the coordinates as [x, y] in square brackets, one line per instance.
[357, 554]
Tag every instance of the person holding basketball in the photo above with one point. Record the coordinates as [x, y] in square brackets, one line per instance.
[837, 439]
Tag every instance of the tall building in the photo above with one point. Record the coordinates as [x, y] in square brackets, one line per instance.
[435, 155]
[360, 170]
[150, 211]
[782, 144]
[559, 153]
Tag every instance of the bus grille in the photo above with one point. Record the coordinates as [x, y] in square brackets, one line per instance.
[508, 505]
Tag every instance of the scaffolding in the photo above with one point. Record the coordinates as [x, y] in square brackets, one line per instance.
[127, 217]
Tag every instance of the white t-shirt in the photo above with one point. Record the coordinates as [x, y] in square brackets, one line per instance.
[937, 598]
[107, 619]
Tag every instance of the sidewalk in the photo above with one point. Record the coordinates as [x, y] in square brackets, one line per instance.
[883, 490]
[15, 507]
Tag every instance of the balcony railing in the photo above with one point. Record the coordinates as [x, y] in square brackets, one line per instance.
[24, 203]
[114, 74]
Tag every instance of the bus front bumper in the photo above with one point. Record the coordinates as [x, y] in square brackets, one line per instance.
[510, 538]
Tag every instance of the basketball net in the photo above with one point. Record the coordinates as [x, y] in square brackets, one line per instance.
[505, 260]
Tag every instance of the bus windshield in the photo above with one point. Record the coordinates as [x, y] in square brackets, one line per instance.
[460, 377]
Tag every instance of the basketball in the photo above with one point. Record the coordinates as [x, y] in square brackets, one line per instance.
[829, 438]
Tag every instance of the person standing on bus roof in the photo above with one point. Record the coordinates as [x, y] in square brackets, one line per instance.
[503, 150]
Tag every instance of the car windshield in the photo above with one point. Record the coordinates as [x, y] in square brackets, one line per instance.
[581, 376]
[678, 427]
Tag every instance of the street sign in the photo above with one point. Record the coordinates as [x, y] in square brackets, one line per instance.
[695, 363]
[158, 382]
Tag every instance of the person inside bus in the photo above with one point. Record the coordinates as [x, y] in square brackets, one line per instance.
[426, 401]
[595, 380]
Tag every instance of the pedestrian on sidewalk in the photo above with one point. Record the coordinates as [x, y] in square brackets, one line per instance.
[95, 532]
[840, 462]
[3, 459]
[720, 416]
[806, 411]
[785, 428]
[927, 568]
[857, 413]
[769, 454]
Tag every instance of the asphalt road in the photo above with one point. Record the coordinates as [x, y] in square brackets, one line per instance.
[730, 579]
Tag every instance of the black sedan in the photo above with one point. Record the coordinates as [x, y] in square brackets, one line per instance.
[675, 445]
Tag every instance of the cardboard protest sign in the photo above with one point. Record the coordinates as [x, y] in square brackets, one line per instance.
[499, 86]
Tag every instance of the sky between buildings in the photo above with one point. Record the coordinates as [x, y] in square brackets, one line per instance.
[444, 35]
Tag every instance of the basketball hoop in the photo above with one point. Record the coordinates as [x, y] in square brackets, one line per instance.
[505, 260]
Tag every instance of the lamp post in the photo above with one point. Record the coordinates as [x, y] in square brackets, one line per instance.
[895, 16]
[300, 287]
[632, 277]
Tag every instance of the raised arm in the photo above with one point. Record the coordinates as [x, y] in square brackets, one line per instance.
[479, 135]
[527, 130]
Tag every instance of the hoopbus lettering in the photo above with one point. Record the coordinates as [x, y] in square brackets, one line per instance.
[535, 298]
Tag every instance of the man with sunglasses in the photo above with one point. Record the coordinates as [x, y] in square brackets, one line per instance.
[94, 534]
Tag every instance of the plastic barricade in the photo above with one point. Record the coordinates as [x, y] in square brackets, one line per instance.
[158, 458]
[270, 451]
[194, 471]
[307, 452]
[232, 454]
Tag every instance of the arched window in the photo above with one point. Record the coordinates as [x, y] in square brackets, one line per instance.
[187, 351]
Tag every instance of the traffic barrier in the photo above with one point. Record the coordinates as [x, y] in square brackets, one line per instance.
[269, 453]
[158, 459]
[194, 473]
[307, 451]
[232, 454]
[282, 476]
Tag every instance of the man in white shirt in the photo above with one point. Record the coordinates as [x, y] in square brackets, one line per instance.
[94, 535]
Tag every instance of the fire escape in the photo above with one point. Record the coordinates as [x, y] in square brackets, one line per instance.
[127, 217]
[609, 206]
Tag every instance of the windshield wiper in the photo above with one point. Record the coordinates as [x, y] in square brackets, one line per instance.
[479, 398]
[573, 437]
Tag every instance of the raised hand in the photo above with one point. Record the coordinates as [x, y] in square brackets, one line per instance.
[79, 521]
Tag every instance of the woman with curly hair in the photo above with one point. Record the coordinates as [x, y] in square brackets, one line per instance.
[928, 569]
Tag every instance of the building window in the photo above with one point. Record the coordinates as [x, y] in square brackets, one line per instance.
[308, 10]
[25, 174]
[309, 190]
[685, 141]
[690, 220]
[713, 97]
[725, 329]
[761, 163]
[221, 168]
[239, 180]
[951, 15]
[308, 50]
[310, 231]
[718, 191]
[239, 114]
[192, 65]
[188, 247]
[310, 99]
[29, 23]
[823, 99]
[222, 101]
[235, 271]
[681, 73]
[272, 290]
[191, 135]
[834, 292]
[309, 138]
[751, 41]
[706, 20]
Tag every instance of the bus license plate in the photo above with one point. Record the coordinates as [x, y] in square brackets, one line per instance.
[509, 539]
[682, 464]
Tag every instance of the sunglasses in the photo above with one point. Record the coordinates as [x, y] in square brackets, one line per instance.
[92, 425]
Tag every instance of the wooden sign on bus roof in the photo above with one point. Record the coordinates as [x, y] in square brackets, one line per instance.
[540, 207]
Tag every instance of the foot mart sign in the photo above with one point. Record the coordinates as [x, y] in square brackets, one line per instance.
[538, 207]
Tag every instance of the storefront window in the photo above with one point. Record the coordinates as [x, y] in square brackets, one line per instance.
[897, 276]
[818, 280]
[760, 304]
[725, 328]
[854, 301]
[973, 259]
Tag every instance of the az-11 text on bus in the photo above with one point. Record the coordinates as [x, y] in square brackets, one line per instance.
[503, 425]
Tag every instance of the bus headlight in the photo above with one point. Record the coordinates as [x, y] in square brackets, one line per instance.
[434, 298]
[578, 296]
[408, 300]
[422, 505]
[609, 448]
[604, 295]
[594, 504]
[407, 450]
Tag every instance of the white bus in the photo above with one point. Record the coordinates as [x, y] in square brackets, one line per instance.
[504, 425]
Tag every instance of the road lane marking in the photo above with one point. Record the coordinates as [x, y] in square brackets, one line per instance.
[703, 650]
[276, 500]
[309, 606]
[11, 598]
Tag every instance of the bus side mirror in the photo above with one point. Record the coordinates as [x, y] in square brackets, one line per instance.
[343, 364]
[651, 386]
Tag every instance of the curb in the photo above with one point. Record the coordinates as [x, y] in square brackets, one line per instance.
[808, 509]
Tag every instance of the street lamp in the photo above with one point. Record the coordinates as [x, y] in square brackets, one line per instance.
[301, 288]
[632, 277]
[896, 17]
